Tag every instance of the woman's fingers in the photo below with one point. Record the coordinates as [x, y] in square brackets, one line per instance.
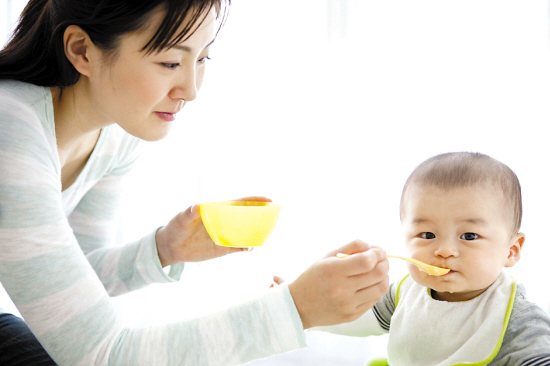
[377, 275]
[360, 263]
[356, 246]
[335, 290]
[254, 198]
[187, 217]
[372, 294]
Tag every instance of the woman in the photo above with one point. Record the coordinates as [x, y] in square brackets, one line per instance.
[81, 83]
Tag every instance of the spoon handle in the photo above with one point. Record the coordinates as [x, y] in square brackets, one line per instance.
[427, 268]
[413, 261]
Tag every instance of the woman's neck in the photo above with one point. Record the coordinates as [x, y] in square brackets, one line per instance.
[77, 129]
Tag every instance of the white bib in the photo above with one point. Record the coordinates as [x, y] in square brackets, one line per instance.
[428, 332]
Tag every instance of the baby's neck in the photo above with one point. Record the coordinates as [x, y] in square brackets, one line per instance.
[456, 296]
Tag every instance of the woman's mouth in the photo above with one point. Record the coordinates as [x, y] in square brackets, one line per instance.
[166, 116]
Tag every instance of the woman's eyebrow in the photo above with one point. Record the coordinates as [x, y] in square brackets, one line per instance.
[189, 49]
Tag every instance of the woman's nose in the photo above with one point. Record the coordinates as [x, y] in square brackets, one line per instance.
[187, 87]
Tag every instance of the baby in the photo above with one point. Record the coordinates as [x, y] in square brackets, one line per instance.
[460, 211]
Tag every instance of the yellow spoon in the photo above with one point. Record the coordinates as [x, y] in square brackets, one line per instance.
[426, 268]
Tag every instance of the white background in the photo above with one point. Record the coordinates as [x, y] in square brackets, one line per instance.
[326, 107]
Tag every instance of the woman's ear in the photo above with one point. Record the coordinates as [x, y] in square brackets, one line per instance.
[515, 249]
[78, 48]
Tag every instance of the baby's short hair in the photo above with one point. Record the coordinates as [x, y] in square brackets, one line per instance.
[467, 169]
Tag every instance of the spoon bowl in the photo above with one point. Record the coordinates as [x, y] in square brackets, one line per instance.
[426, 268]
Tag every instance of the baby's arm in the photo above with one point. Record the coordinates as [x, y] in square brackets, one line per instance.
[375, 321]
[365, 326]
[527, 338]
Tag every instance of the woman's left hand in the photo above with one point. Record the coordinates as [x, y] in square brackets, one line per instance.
[185, 238]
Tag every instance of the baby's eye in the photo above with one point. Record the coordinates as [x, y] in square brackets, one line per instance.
[427, 235]
[469, 236]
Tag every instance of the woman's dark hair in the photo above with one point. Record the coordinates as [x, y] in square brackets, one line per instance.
[35, 53]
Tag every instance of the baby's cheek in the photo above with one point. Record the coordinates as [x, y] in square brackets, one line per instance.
[418, 276]
[480, 277]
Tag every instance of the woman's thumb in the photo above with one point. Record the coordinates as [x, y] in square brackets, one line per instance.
[191, 214]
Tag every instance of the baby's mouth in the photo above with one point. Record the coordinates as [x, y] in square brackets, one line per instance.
[449, 273]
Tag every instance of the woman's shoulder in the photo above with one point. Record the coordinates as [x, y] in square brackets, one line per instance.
[22, 92]
[26, 121]
[27, 102]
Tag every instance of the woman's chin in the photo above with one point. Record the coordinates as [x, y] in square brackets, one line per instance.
[152, 134]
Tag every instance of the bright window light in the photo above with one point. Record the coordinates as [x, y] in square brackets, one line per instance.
[326, 108]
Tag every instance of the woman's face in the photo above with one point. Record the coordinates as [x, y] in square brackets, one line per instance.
[142, 93]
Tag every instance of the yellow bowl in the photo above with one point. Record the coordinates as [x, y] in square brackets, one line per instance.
[239, 224]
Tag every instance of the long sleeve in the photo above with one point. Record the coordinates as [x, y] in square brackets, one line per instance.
[59, 294]
[121, 268]
[527, 338]
[364, 326]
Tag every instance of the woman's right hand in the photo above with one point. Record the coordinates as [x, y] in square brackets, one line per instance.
[338, 290]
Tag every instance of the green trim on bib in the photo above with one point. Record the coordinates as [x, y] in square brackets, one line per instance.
[399, 289]
[504, 326]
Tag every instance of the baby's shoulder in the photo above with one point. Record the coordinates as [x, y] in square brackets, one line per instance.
[527, 336]
[523, 308]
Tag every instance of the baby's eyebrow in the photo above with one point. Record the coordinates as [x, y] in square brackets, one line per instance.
[419, 220]
[475, 221]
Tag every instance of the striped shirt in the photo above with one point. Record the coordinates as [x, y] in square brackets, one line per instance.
[58, 266]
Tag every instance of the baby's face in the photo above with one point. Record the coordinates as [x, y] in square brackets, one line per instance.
[466, 230]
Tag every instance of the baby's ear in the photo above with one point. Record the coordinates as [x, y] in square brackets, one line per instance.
[515, 249]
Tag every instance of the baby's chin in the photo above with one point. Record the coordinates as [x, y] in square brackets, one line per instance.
[439, 284]
[440, 288]
[445, 290]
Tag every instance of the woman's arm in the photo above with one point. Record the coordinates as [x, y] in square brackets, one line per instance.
[121, 268]
[59, 295]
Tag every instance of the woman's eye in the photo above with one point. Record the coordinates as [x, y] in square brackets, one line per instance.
[170, 66]
[427, 235]
[204, 59]
[469, 236]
